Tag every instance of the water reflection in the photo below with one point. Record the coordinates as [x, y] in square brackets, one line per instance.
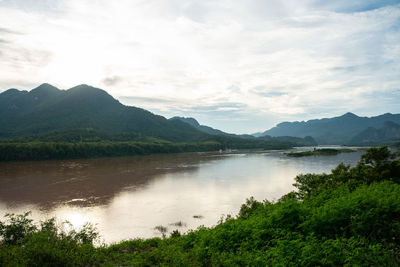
[128, 197]
[85, 182]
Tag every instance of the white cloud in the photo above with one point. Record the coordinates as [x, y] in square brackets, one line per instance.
[307, 59]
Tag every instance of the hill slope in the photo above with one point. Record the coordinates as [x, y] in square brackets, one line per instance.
[337, 130]
[46, 108]
[390, 132]
[209, 130]
[294, 141]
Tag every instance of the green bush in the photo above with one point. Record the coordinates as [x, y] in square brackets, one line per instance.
[23, 243]
[377, 164]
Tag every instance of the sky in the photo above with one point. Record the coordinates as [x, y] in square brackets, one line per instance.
[239, 66]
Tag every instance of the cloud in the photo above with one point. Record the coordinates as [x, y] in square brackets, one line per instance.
[174, 105]
[40, 6]
[354, 6]
[113, 80]
[7, 31]
[252, 60]
[18, 59]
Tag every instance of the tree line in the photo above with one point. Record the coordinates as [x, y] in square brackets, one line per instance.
[63, 150]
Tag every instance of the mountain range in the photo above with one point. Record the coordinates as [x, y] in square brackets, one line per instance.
[207, 129]
[55, 114]
[345, 129]
[297, 141]
[389, 133]
[86, 113]
[46, 108]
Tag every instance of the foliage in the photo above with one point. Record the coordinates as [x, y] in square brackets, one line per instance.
[249, 206]
[23, 243]
[50, 150]
[17, 228]
[161, 229]
[350, 217]
[88, 143]
[319, 152]
[377, 164]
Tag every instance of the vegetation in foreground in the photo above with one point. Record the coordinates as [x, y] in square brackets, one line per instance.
[320, 152]
[350, 217]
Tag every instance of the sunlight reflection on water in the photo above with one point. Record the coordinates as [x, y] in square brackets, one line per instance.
[128, 197]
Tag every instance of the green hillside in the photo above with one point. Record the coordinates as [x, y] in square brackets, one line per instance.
[295, 141]
[336, 131]
[207, 129]
[46, 109]
[84, 114]
[388, 134]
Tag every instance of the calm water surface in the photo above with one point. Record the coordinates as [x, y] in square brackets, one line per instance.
[128, 197]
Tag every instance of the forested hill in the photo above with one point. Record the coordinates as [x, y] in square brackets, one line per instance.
[295, 141]
[388, 134]
[46, 109]
[337, 130]
[87, 114]
[208, 129]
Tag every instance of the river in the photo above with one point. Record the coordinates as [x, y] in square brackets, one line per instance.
[128, 197]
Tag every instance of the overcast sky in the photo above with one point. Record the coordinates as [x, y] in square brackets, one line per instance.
[240, 66]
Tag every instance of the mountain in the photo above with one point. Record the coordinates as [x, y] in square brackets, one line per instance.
[258, 134]
[337, 130]
[85, 113]
[209, 130]
[47, 108]
[193, 122]
[294, 141]
[389, 133]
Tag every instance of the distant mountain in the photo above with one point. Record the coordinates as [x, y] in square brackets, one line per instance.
[193, 122]
[87, 114]
[389, 133]
[46, 109]
[337, 130]
[209, 130]
[258, 134]
[295, 141]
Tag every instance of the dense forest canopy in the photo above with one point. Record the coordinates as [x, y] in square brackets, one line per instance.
[90, 143]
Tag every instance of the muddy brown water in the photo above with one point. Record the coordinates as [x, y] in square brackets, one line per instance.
[128, 197]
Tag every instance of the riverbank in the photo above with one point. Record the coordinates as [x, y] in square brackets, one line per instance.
[24, 151]
[347, 217]
[320, 152]
[65, 150]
